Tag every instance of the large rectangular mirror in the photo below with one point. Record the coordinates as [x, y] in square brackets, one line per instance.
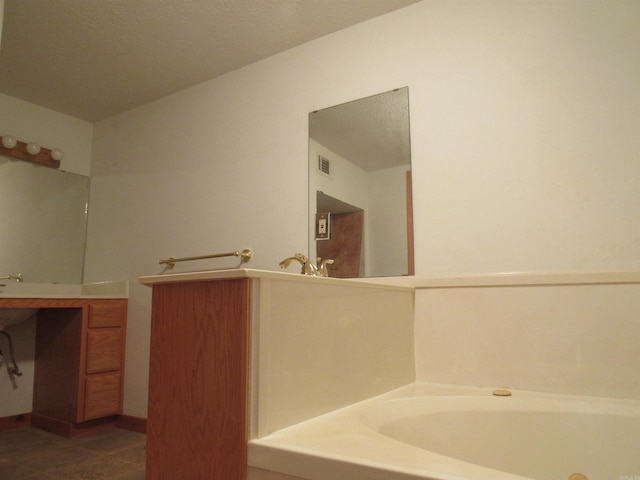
[44, 222]
[360, 204]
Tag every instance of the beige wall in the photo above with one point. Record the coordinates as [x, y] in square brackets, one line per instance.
[524, 121]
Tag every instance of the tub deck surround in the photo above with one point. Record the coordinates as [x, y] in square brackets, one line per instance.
[205, 275]
[510, 279]
[366, 440]
[241, 353]
[316, 347]
[342, 329]
[506, 279]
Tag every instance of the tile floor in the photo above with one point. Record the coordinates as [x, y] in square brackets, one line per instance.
[32, 454]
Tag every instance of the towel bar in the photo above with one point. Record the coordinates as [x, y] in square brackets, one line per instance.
[245, 255]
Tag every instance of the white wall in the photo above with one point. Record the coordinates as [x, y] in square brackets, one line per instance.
[524, 121]
[386, 225]
[16, 393]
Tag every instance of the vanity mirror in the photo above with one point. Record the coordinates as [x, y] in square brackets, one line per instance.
[360, 204]
[43, 216]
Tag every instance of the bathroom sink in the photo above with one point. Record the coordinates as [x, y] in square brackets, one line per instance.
[11, 316]
[35, 290]
[64, 290]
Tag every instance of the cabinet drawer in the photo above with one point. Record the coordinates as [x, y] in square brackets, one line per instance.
[110, 314]
[102, 395]
[104, 349]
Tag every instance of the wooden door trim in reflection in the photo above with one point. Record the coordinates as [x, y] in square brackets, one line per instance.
[345, 244]
[410, 224]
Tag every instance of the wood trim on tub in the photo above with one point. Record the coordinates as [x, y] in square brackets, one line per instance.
[198, 381]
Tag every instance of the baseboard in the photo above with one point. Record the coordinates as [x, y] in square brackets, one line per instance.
[65, 429]
[15, 421]
[71, 430]
[135, 424]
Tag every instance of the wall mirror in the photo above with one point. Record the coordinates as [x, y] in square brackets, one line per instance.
[360, 204]
[44, 221]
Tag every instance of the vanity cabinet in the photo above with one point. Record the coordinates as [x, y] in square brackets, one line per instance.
[79, 367]
[197, 424]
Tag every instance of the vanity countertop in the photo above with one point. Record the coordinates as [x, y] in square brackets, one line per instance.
[64, 291]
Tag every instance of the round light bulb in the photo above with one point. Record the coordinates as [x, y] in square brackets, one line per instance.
[33, 148]
[9, 142]
[57, 154]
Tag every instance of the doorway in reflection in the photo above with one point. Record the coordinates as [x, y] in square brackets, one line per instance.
[343, 240]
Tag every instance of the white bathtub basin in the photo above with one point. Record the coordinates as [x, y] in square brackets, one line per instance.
[454, 433]
[537, 438]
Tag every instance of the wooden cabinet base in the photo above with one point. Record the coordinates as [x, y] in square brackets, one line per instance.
[70, 430]
[79, 364]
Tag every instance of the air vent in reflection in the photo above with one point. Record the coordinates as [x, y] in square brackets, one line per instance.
[324, 166]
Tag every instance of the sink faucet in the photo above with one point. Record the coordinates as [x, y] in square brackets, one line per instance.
[17, 278]
[308, 268]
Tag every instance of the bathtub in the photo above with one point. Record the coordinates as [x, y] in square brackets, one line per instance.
[426, 431]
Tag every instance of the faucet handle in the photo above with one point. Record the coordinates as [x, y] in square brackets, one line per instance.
[323, 271]
[308, 268]
[301, 257]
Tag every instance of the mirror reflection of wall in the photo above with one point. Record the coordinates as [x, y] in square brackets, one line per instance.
[43, 214]
[360, 178]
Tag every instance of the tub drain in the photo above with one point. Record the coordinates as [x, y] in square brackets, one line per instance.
[507, 393]
[577, 476]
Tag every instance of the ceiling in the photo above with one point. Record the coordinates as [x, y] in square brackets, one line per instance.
[92, 59]
[372, 133]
